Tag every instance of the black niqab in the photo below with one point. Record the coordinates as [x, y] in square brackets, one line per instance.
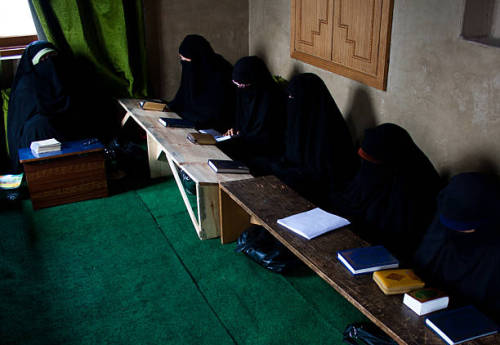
[39, 97]
[467, 264]
[260, 115]
[392, 201]
[206, 94]
[318, 146]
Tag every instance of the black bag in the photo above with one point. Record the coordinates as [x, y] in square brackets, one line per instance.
[259, 245]
[366, 334]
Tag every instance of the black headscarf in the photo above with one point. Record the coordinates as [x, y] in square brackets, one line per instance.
[206, 94]
[466, 263]
[393, 194]
[318, 146]
[260, 113]
[38, 96]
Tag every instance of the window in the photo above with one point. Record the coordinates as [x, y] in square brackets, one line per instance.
[482, 22]
[16, 27]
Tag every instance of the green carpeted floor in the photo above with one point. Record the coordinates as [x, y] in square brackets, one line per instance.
[129, 269]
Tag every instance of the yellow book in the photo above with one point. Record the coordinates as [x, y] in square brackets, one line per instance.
[397, 281]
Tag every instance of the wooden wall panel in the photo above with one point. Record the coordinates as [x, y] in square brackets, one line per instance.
[314, 30]
[348, 37]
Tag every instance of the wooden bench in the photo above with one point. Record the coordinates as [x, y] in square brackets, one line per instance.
[169, 149]
[264, 200]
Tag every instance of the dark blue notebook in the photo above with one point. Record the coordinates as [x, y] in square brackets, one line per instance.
[459, 325]
[367, 259]
[179, 123]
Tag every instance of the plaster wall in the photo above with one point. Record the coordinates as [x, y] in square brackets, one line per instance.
[444, 90]
[224, 23]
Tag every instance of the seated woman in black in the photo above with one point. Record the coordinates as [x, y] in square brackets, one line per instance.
[392, 197]
[44, 103]
[318, 146]
[461, 249]
[206, 94]
[260, 116]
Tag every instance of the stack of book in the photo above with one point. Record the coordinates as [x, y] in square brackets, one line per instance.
[44, 146]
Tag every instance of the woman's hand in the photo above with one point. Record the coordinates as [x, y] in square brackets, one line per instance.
[231, 132]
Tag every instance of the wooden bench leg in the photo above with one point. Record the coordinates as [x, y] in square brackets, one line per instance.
[208, 210]
[233, 219]
[158, 165]
[173, 168]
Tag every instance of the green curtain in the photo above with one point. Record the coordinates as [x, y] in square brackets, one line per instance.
[107, 34]
[4, 97]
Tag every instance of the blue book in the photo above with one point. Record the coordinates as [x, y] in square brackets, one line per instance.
[459, 325]
[367, 259]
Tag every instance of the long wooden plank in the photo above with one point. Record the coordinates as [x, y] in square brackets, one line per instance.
[266, 199]
[173, 141]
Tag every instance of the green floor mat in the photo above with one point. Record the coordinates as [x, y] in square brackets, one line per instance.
[255, 305]
[97, 272]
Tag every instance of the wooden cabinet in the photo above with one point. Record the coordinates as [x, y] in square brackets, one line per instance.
[347, 37]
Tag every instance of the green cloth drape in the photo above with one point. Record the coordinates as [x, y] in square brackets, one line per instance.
[108, 34]
[4, 98]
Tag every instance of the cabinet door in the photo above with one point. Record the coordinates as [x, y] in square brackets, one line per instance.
[348, 37]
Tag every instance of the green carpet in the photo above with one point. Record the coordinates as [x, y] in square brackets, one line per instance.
[129, 269]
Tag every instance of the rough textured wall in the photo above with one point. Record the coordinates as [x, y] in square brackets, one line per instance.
[444, 90]
[224, 23]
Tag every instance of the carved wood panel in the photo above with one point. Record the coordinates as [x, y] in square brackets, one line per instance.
[348, 37]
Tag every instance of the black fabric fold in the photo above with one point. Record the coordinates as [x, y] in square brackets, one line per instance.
[260, 116]
[206, 94]
[319, 154]
[391, 202]
[466, 263]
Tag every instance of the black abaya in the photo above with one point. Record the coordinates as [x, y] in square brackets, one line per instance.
[42, 103]
[260, 117]
[392, 197]
[466, 263]
[318, 146]
[206, 94]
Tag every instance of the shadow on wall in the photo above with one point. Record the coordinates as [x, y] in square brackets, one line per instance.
[480, 162]
[360, 115]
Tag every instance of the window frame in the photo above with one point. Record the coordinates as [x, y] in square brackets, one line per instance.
[13, 46]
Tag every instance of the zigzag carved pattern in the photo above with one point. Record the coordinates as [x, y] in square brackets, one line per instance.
[320, 21]
[347, 40]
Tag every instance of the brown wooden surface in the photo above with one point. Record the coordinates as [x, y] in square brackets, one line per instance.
[347, 37]
[192, 158]
[62, 180]
[267, 200]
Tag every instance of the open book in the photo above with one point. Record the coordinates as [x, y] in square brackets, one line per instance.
[313, 223]
[216, 134]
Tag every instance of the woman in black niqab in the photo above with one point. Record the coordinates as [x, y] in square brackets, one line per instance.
[42, 103]
[319, 153]
[206, 95]
[260, 117]
[461, 248]
[391, 200]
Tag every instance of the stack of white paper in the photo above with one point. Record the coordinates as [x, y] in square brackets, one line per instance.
[44, 146]
[313, 223]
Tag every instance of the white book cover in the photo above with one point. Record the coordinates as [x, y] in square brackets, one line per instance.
[313, 223]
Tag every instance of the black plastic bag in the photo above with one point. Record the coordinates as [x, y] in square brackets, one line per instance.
[188, 184]
[366, 334]
[259, 245]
